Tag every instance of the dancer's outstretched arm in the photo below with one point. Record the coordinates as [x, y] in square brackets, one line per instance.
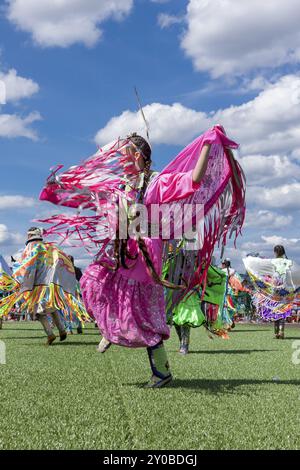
[201, 166]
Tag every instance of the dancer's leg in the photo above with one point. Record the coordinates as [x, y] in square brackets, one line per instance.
[185, 339]
[57, 320]
[178, 331]
[79, 328]
[103, 345]
[281, 328]
[42, 317]
[161, 374]
[276, 328]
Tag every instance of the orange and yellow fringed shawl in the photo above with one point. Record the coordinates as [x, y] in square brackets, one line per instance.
[44, 279]
[7, 283]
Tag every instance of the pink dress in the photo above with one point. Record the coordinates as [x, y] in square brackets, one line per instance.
[127, 304]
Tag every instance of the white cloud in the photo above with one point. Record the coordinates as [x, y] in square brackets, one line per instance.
[16, 202]
[266, 219]
[17, 87]
[276, 240]
[255, 84]
[266, 244]
[286, 196]
[12, 126]
[273, 169]
[65, 22]
[8, 238]
[165, 21]
[254, 246]
[2, 93]
[230, 37]
[14, 88]
[269, 123]
[169, 124]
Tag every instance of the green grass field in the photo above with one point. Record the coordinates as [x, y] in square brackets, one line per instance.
[238, 394]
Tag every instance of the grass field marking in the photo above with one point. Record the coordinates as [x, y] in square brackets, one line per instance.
[2, 353]
[296, 354]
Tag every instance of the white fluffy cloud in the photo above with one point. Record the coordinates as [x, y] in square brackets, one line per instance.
[165, 21]
[270, 123]
[265, 245]
[276, 240]
[16, 202]
[12, 125]
[230, 37]
[12, 89]
[273, 169]
[2, 93]
[8, 238]
[16, 87]
[286, 196]
[65, 22]
[169, 124]
[265, 219]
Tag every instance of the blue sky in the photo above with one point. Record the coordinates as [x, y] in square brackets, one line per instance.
[71, 67]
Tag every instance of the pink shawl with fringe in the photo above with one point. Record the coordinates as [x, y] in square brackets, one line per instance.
[221, 191]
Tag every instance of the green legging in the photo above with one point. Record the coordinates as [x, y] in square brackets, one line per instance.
[159, 361]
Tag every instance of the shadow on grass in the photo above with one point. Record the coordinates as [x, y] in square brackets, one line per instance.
[19, 329]
[96, 333]
[231, 351]
[223, 385]
[246, 331]
[8, 338]
[78, 343]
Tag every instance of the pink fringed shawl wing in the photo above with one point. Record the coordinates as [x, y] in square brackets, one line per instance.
[221, 192]
[95, 185]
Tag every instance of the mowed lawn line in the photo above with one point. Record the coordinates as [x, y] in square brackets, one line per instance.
[242, 393]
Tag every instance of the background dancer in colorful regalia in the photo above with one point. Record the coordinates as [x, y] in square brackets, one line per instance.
[234, 286]
[193, 310]
[76, 322]
[123, 287]
[5, 274]
[44, 283]
[276, 285]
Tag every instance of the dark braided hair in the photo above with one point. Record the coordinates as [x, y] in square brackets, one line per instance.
[121, 252]
[142, 146]
[279, 251]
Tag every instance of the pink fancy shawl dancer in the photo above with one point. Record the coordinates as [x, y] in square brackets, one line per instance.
[123, 288]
